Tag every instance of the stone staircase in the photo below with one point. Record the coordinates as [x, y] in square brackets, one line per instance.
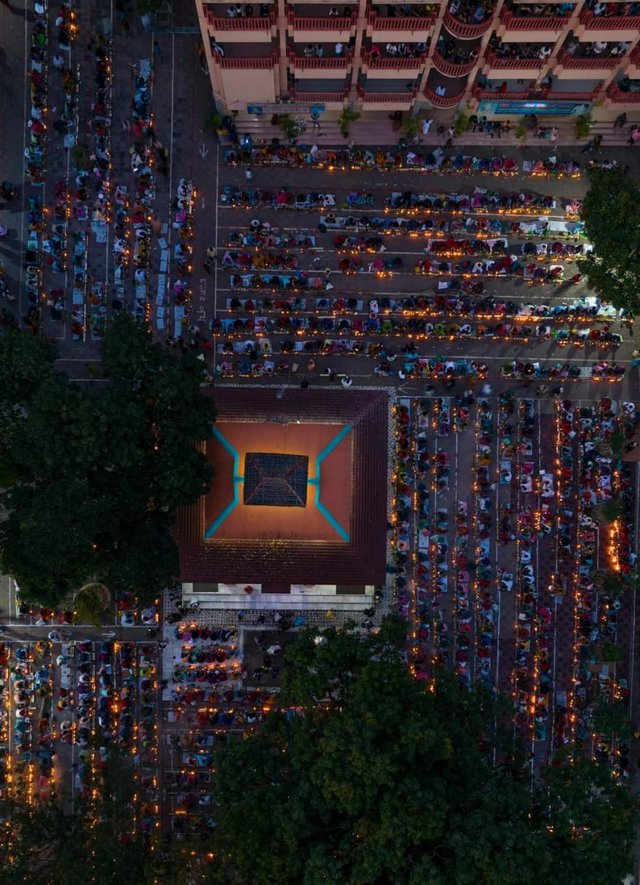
[281, 601]
[379, 132]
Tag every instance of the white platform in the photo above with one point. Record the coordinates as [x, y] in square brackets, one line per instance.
[302, 597]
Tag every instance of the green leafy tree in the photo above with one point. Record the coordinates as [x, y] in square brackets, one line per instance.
[90, 604]
[617, 441]
[166, 409]
[96, 846]
[592, 820]
[25, 360]
[611, 717]
[610, 652]
[611, 510]
[96, 479]
[611, 213]
[611, 583]
[372, 777]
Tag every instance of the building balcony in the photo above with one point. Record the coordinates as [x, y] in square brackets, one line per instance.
[259, 62]
[466, 31]
[319, 96]
[521, 23]
[514, 64]
[597, 63]
[619, 96]
[532, 95]
[443, 101]
[306, 27]
[451, 69]
[380, 27]
[218, 24]
[302, 63]
[393, 62]
[381, 101]
[594, 23]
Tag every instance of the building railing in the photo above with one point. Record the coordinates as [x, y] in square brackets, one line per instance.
[263, 62]
[589, 95]
[396, 63]
[442, 101]
[619, 97]
[298, 95]
[259, 23]
[451, 69]
[380, 97]
[609, 22]
[533, 64]
[310, 64]
[529, 23]
[465, 31]
[493, 94]
[317, 23]
[571, 61]
[399, 23]
[531, 95]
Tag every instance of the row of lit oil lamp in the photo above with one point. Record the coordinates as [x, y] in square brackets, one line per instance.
[440, 426]
[584, 546]
[40, 70]
[255, 326]
[483, 460]
[426, 309]
[98, 300]
[498, 167]
[186, 194]
[586, 595]
[538, 702]
[400, 476]
[399, 227]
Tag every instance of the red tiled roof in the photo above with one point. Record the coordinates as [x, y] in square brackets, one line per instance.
[361, 560]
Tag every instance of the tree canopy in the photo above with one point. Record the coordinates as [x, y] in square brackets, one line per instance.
[372, 776]
[611, 214]
[98, 844]
[93, 478]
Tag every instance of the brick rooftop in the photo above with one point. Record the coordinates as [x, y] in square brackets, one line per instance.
[361, 560]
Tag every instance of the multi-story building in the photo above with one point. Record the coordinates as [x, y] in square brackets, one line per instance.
[493, 56]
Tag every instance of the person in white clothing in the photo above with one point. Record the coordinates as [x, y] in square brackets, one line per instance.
[426, 126]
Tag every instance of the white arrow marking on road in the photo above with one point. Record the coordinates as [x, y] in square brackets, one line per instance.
[203, 152]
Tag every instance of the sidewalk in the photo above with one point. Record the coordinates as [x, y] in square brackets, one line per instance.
[380, 132]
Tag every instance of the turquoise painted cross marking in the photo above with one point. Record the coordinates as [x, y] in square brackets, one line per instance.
[315, 482]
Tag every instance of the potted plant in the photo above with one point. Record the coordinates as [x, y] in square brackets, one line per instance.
[290, 127]
[521, 130]
[411, 127]
[345, 119]
[583, 126]
[213, 122]
[461, 124]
